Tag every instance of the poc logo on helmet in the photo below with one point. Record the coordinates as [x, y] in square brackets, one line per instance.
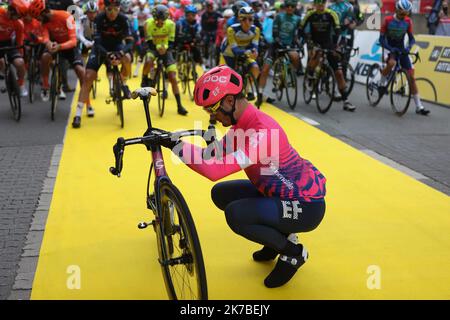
[213, 78]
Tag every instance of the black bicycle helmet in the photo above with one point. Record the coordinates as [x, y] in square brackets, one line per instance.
[160, 12]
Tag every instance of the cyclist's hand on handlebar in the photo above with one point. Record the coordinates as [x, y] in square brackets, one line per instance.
[168, 140]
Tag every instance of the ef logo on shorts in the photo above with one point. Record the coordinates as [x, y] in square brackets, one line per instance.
[291, 209]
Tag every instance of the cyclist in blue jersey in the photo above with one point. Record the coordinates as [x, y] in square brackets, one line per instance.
[188, 33]
[392, 36]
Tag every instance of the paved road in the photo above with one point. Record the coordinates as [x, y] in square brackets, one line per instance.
[414, 144]
[26, 149]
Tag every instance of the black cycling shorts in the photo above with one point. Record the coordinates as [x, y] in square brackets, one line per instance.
[73, 56]
[11, 54]
[265, 220]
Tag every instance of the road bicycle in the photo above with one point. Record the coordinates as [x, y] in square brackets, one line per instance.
[186, 70]
[11, 84]
[249, 82]
[285, 76]
[398, 85]
[117, 84]
[179, 250]
[321, 85]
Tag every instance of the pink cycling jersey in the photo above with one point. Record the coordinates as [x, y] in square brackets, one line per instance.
[258, 145]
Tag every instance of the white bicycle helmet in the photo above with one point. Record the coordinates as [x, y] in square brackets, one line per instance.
[404, 5]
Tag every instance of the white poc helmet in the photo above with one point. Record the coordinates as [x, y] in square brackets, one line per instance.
[404, 5]
[228, 13]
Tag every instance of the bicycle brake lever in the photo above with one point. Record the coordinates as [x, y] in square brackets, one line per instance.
[118, 150]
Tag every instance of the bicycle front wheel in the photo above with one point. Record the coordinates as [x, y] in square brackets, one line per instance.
[192, 76]
[54, 90]
[278, 79]
[291, 87]
[324, 89]
[373, 80]
[308, 88]
[349, 75]
[118, 97]
[31, 78]
[162, 93]
[180, 253]
[251, 86]
[13, 93]
[400, 92]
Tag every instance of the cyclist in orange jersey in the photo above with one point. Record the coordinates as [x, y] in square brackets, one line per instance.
[11, 27]
[60, 37]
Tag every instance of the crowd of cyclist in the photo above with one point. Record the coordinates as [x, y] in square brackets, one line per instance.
[90, 33]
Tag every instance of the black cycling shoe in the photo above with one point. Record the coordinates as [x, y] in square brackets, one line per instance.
[265, 254]
[126, 92]
[76, 122]
[422, 111]
[270, 100]
[182, 111]
[250, 96]
[286, 268]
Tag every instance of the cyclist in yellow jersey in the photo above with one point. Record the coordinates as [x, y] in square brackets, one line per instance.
[160, 36]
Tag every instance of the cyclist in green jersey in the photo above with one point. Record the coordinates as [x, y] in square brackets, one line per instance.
[321, 28]
[160, 37]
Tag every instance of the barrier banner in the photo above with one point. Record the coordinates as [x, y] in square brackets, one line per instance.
[432, 72]
[369, 53]
[434, 66]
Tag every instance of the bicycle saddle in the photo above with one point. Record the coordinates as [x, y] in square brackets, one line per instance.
[144, 92]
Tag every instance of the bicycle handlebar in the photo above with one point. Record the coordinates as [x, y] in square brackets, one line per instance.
[154, 138]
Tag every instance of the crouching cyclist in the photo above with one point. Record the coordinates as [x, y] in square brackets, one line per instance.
[392, 36]
[111, 31]
[284, 194]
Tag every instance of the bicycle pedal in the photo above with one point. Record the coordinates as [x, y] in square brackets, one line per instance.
[143, 225]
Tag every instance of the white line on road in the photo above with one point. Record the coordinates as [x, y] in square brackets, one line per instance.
[306, 119]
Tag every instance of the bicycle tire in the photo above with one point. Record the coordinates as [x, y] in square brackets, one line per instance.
[13, 93]
[372, 93]
[118, 96]
[326, 73]
[396, 91]
[277, 79]
[349, 76]
[250, 82]
[192, 73]
[189, 251]
[307, 92]
[291, 82]
[161, 88]
[211, 56]
[54, 86]
[433, 88]
[31, 78]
